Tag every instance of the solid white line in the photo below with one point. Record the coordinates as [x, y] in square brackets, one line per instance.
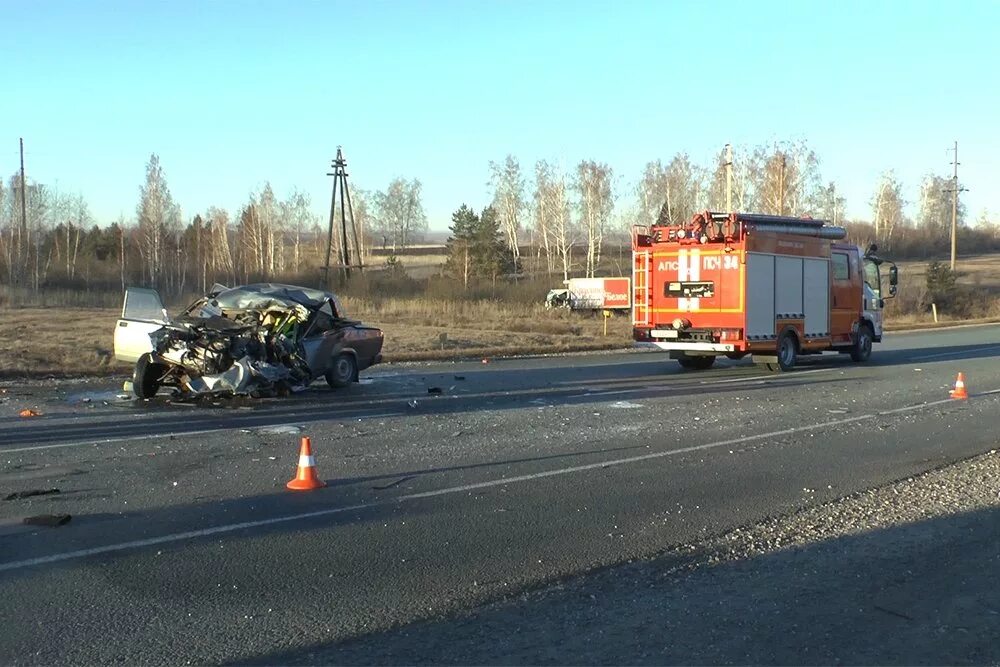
[178, 537]
[156, 436]
[954, 354]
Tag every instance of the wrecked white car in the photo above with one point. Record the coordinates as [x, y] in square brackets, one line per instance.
[258, 340]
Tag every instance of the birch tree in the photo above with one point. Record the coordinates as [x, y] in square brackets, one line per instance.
[508, 201]
[593, 186]
[399, 212]
[157, 218]
[887, 207]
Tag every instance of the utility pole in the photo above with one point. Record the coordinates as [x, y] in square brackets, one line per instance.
[729, 178]
[339, 173]
[955, 189]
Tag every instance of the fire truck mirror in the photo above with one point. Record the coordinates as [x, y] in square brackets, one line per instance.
[893, 278]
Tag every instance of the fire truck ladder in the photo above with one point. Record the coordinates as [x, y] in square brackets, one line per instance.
[640, 287]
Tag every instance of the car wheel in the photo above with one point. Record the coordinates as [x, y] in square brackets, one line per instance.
[146, 377]
[788, 350]
[862, 348]
[342, 371]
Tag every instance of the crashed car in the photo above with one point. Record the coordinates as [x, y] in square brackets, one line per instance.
[257, 340]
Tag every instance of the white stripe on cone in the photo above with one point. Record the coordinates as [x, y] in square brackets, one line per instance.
[306, 461]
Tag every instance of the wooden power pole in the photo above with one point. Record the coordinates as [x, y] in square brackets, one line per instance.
[339, 173]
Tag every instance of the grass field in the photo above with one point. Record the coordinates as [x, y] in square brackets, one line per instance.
[60, 341]
[67, 342]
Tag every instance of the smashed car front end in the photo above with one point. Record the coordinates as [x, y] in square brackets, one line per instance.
[255, 340]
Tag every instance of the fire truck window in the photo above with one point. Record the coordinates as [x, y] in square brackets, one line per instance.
[841, 267]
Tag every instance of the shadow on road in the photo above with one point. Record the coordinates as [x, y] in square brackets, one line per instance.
[919, 593]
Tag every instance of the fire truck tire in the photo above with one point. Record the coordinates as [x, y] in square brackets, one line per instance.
[862, 348]
[788, 350]
[735, 356]
[696, 363]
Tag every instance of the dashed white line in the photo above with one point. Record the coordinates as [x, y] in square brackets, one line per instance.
[217, 530]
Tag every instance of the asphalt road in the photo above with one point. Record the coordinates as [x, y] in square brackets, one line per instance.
[185, 547]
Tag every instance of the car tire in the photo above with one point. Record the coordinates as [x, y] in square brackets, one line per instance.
[146, 377]
[696, 363]
[342, 371]
[862, 348]
[788, 350]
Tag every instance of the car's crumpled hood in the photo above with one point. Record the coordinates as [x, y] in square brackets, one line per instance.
[260, 296]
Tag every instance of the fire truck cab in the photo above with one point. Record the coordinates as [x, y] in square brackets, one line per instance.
[773, 287]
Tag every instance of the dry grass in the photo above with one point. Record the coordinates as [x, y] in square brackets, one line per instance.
[66, 342]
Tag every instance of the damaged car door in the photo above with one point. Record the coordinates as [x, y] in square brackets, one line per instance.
[142, 314]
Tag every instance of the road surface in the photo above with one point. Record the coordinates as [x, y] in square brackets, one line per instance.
[449, 486]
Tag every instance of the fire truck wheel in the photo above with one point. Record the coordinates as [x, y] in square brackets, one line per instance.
[696, 363]
[735, 356]
[788, 350]
[862, 348]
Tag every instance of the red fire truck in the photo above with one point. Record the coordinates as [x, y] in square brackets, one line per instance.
[773, 287]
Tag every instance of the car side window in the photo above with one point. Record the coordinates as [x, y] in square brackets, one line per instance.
[841, 266]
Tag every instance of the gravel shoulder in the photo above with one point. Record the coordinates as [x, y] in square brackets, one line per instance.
[902, 574]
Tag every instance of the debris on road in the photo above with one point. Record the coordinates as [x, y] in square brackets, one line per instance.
[29, 412]
[624, 405]
[283, 429]
[31, 493]
[433, 390]
[459, 377]
[50, 520]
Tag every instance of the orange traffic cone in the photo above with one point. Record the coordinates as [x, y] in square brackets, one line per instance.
[959, 390]
[306, 478]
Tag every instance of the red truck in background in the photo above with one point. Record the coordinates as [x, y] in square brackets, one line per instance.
[592, 294]
[773, 287]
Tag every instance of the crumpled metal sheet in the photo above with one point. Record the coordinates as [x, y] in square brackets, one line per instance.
[261, 296]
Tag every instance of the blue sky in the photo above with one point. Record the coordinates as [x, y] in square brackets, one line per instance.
[232, 94]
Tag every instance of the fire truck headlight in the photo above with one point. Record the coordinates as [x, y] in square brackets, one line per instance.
[704, 239]
[681, 323]
[680, 233]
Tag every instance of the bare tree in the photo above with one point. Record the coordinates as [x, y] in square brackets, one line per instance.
[297, 217]
[887, 207]
[546, 210]
[789, 180]
[399, 212]
[593, 185]
[935, 206]
[158, 218]
[652, 193]
[508, 201]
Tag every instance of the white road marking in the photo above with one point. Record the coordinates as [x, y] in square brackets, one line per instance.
[954, 354]
[217, 530]
[177, 434]
[771, 376]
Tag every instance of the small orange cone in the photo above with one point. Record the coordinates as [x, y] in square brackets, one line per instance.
[306, 478]
[959, 390]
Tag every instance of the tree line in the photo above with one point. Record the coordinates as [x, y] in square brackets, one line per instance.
[546, 219]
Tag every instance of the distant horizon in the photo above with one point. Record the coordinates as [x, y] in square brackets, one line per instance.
[231, 95]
